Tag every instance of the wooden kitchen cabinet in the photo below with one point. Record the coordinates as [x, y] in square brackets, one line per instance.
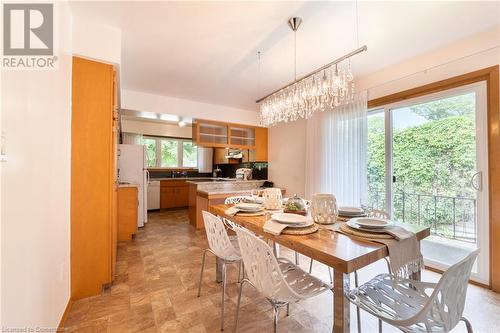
[220, 157]
[261, 139]
[128, 206]
[174, 194]
[222, 135]
[93, 177]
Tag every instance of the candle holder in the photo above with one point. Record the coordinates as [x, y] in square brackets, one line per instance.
[272, 198]
[324, 208]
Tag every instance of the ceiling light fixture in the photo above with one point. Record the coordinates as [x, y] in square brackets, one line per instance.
[327, 87]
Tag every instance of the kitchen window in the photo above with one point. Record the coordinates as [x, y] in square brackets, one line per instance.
[162, 152]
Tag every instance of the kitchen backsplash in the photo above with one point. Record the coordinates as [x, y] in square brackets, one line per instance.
[259, 169]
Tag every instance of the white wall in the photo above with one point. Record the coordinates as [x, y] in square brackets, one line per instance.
[286, 156]
[96, 41]
[155, 128]
[35, 189]
[452, 60]
[139, 101]
[286, 169]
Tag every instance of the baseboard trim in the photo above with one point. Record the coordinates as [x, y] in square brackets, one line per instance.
[62, 322]
[437, 270]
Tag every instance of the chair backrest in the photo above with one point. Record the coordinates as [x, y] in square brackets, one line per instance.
[218, 240]
[448, 298]
[262, 268]
[234, 200]
[380, 214]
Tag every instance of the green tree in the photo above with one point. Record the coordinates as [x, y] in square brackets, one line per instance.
[442, 108]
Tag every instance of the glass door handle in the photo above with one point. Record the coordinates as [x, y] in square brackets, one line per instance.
[477, 184]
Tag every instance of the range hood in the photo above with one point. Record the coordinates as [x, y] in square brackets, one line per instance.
[234, 154]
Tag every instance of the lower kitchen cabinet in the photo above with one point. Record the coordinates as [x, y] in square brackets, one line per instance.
[127, 212]
[174, 194]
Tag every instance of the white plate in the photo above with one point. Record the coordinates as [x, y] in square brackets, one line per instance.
[287, 218]
[360, 228]
[249, 207]
[351, 211]
[300, 225]
[370, 222]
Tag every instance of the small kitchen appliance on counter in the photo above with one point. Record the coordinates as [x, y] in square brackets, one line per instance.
[244, 173]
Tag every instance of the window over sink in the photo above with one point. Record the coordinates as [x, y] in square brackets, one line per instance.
[163, 152]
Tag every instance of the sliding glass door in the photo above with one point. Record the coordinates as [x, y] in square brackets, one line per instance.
[427, 166]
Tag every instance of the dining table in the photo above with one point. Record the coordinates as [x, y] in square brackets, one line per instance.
[336, 250]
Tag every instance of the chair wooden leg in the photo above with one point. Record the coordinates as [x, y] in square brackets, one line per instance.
[287, 309]
[467, 324]
[201, 274]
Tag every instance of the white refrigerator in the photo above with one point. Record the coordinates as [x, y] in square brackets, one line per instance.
[132, 169]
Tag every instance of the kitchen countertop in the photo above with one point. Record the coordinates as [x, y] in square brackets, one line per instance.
[226, 181]
[178, 178]
[126, 184]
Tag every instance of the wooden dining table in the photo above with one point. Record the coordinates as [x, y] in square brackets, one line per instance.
[344, 254]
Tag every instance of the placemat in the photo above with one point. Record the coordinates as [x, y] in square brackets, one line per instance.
[240, 213]
[346, 229]
[301, 231]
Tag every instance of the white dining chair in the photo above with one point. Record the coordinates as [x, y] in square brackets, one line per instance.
[221, 246]
[277, 279]
[235, 199]
[414, 306]
[380, 214]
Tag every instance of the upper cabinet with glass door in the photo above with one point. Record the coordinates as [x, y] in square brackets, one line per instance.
[241, 136]
[211, 134]
[226, 135]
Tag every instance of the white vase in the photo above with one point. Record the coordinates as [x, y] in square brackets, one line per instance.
[272, 198]
[324, 208]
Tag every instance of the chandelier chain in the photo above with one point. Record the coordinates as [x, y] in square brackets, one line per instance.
[295, 54]
[357, 25]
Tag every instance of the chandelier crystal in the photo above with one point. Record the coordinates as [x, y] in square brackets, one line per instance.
[326, 88]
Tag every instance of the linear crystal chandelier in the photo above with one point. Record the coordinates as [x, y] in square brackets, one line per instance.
[325, 88]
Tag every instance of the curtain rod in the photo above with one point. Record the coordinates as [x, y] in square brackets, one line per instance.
[430, 68]
[336, 61]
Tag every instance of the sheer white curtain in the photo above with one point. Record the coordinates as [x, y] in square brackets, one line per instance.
[336, 153]
[132, 138]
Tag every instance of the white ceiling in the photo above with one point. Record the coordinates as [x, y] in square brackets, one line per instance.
[207, 51]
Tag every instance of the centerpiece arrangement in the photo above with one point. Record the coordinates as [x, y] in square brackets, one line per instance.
[296, 205]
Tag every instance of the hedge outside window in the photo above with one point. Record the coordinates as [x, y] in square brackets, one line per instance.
[150, 152]
[170, 153]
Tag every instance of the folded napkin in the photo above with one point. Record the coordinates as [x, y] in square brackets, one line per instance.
[231, 211]
[403, 247]
[273, 227]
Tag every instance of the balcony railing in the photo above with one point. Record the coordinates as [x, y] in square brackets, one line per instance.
[449, 217]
